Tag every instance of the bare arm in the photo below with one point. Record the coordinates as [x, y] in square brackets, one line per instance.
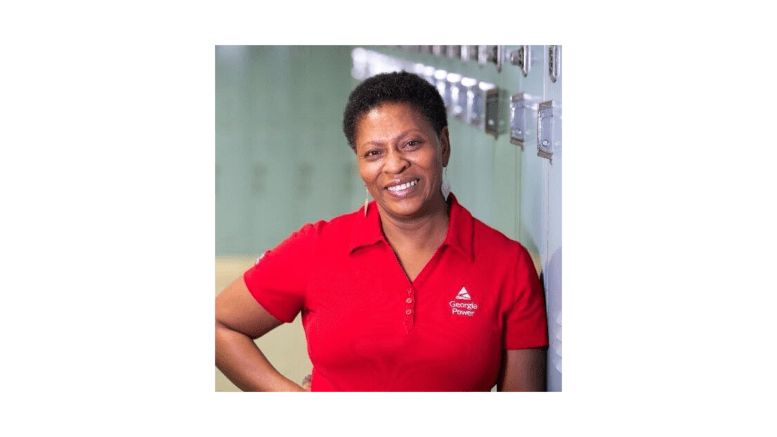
[522, 370]
[240, 320]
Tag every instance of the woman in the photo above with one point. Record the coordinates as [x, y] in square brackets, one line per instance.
[410, 293]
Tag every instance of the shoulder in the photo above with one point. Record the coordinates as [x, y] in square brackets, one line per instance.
[336, 226]
[334, 229]
[306, 243]
[490, 239]
[501, 253]
[488, 246]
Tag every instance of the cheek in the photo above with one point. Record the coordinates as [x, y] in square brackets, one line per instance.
[367, 173]
[434, 162]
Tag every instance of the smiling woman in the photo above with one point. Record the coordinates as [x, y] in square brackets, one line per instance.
[411, 293]
[401, 159]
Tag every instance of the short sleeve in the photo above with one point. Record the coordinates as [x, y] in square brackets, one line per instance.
[280, 277]
[526, 322]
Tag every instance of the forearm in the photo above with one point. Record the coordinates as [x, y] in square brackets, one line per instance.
[523, 370]
[240, 360]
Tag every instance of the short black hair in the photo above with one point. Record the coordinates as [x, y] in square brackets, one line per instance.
[396, 87]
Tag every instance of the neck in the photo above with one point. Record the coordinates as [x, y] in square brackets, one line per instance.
[425, 232]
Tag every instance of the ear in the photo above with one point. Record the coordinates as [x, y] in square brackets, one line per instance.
[445, 146]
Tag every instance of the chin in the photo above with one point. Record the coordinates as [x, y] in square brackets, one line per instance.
[408, 208]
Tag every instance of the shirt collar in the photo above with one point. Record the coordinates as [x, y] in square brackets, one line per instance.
[367, 230]
[460, 229]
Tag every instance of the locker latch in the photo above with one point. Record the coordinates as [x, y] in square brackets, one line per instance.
[548, 130]
[522, 58]
[469, 53]
[522, 112]
[474, 101]
[491, 54]
[458, 96]
[554, 62]
[494, 101]
[441, 84]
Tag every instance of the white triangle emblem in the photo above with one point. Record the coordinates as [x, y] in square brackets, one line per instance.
[463, 294]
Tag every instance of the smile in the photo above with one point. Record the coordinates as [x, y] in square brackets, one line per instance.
[400, 188]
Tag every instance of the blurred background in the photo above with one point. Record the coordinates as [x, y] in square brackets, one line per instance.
[283, 161]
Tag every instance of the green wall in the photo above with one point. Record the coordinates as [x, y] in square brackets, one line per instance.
[281, 157]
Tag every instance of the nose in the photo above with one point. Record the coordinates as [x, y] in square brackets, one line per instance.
[396, 162]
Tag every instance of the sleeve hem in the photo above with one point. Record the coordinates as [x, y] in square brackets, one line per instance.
[272, 311]
[526, 345]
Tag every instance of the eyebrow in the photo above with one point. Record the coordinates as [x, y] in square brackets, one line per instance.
[396, 137]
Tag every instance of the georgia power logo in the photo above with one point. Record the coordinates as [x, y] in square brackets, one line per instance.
[460, 306]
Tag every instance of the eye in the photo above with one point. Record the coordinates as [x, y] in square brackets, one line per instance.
[414, 143]
[372, 153]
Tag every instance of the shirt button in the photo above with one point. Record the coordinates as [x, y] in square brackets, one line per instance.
[409, 300]
[408, 311]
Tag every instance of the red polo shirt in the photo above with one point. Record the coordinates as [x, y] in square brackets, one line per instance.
[369, 328]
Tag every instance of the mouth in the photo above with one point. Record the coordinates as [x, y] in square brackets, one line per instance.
[403, 189]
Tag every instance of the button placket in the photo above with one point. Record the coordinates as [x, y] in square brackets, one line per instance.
[409, 308]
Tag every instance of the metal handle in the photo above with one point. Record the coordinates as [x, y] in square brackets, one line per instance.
[493, 122]
[554, 62]
[522, 58]
[493, 54]
[522, 112]
[548, 130]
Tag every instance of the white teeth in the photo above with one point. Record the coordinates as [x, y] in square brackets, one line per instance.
[403, 186]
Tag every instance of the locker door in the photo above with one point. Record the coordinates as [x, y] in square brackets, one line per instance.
[540, 192]
[551, 261]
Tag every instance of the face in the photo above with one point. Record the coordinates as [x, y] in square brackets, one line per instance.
[401, 160]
